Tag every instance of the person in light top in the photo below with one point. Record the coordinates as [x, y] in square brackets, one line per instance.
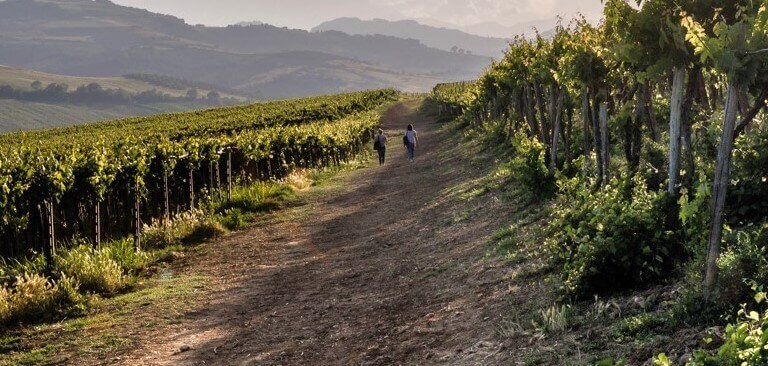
[410, 140]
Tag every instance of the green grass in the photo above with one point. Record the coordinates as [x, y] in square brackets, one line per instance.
[161, 301]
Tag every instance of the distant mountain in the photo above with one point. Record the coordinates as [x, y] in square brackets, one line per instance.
[102, 39]
[493, 29]
[437, 37]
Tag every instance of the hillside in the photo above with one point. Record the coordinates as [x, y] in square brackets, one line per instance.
[98, 39]
[23, 115]
[23, 78]
[31, 113]
[437, 37]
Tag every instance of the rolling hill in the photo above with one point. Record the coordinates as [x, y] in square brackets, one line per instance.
[438, 37]
[33, 114]
[102, 39]
[22, 79]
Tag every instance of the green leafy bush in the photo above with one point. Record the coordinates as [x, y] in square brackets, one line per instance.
[529, 169]
[745, 257]
[613, 238]
[748, 195]
[746, 342]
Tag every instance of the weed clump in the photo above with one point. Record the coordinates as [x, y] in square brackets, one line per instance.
[95, 270]
[33, 297]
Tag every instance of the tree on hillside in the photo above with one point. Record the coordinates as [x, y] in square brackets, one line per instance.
[213, 97]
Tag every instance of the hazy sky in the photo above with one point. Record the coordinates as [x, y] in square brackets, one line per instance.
[306, 14]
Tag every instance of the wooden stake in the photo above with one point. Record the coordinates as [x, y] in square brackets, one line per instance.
[191, 188]
[137, 223]
[166, 197]
[229, 174]
[97, 223]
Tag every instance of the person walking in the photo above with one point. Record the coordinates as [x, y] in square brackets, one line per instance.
[410, 140]
[380, 145]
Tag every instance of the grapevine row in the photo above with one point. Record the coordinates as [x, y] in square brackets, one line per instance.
[101, 180]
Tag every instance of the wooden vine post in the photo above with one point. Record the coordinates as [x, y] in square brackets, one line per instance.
[229, 174]
[166, 200]
[191, 187]
[210, 176]
[50, 237]
[137, 220]
[217, 168]
[97, 223]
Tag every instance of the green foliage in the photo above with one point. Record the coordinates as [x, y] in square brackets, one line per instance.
[257, 197]
[94, 269]
[746, 341]
[33, 297]
[613, 238]
[123, 253]
[92, 161]
[743, 262]
[748, 194]
[529, 169]
[694, 217]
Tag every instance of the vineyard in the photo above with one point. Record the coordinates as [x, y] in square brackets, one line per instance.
[646, 135]
[102, 181]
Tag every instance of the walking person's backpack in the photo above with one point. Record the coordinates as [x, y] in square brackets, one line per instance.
[405, 139]
[377, 144]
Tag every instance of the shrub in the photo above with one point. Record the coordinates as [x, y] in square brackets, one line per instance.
[529, 169]
[95, 270]
[745, 257]
[748, 195]
[613, 238]
[746, 343]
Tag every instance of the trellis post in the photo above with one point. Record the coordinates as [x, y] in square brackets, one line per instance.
[137, 221]
[97, 223]
[191, 187]
[50, 247]
[166, 199]
[229, 174]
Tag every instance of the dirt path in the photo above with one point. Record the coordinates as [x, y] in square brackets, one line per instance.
[385, 269]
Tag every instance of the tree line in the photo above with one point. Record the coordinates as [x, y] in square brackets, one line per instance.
[94, 93]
